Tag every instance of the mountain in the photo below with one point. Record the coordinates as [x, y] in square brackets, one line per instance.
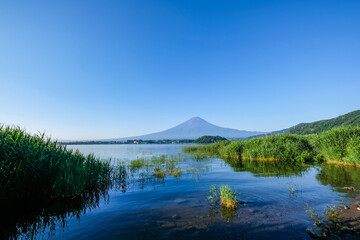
[192, 129]
[349, 119]
[276, 132]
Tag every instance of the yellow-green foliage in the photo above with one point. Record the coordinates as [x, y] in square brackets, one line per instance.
[227, 196]
[34, 167]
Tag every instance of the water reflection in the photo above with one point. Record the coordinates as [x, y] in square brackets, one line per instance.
[30, 219]
[267, 169]
[33, 219]
[340, 178]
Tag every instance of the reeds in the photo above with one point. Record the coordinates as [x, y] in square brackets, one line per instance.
[339, 145]
[34, 167]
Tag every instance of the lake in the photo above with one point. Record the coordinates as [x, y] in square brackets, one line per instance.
[275, 198]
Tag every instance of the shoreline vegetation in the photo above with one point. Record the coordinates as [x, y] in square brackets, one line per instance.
[336, 146]
[36, 168]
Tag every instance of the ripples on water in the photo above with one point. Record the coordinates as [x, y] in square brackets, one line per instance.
[141, 205]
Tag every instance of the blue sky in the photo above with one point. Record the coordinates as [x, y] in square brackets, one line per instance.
[103, 69]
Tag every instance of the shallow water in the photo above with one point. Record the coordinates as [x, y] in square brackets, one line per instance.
[177, 208]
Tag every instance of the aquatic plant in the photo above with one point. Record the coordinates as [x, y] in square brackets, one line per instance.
[314, 215]
[213, 197]
[138, 163]
[177, 172]
[200, 156]
[35, 167]
[159, 173]
[227, 197]
[291, 189]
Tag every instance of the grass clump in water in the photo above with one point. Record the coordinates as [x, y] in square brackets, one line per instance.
[228, 202]
[228, 197]
[159, 173]
[34, 167]
[177, 172]
[138, 163]
[225, 194]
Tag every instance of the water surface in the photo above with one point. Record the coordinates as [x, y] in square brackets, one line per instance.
[178, 208]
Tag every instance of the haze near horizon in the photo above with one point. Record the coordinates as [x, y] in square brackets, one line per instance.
[83, 70]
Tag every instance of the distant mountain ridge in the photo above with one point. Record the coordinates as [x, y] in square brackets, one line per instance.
[192, 129]
[277, 132]
[349, 119]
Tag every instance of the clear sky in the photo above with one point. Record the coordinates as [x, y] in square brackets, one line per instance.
[106, 69]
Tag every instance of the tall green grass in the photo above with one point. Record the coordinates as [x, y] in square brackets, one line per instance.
[284, 147]
[341, 145]
[213, 148]
[34, 167]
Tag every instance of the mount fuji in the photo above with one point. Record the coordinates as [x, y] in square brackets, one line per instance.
[192, 129]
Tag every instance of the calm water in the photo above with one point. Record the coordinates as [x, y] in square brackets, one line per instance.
[177, 208]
